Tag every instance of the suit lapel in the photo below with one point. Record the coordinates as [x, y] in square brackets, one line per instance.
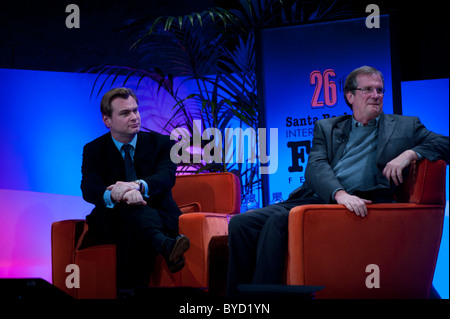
[340, 138]
[386, 129]
[141, 155]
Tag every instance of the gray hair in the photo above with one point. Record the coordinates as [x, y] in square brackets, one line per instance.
[351, 83]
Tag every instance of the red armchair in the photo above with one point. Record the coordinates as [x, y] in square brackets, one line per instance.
[332, 247]
[206, 200]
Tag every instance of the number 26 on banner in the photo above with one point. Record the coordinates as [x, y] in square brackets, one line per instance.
[322, 80]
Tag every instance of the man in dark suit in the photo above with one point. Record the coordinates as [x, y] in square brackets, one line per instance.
[354, 160]
[128, 175]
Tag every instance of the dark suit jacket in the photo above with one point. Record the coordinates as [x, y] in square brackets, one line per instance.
[103, 165]
[396, 134]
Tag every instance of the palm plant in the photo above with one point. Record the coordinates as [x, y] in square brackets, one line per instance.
[215, 50]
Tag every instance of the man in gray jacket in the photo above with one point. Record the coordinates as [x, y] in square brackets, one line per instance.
[355, 160]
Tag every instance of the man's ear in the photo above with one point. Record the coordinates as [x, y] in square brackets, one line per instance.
[350, 97]
[106, 120]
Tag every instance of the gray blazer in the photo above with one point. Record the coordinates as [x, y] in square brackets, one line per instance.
[396, 134]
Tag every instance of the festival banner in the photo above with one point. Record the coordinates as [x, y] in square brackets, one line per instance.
[302, 70]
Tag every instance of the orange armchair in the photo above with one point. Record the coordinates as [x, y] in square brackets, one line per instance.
[206, 200]
[332, 247]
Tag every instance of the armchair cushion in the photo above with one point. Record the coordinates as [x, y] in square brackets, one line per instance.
[194, 207]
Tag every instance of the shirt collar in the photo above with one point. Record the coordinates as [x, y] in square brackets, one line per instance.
[373, 122]
[119, 144]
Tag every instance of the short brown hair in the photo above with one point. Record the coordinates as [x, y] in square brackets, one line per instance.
[124, 93]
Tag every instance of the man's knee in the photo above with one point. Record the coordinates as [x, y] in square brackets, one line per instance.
[281, 218]
[249, 222]
[236, 223]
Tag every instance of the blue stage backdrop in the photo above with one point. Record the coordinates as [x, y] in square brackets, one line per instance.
[302, 74]
[429, 100]
[47, 114]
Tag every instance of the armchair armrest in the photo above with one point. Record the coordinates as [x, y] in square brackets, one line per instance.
[200, 228]
[214, 192]
[64, 238]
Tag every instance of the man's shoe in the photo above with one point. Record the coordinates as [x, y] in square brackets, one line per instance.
[174, 250]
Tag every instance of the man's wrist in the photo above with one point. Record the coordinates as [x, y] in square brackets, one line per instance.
[335, 192]
[140, 187]
[107, 198]
[413, 155]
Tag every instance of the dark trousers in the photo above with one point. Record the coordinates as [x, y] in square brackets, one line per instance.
[138, 232]
[258, 240]
[257, 244]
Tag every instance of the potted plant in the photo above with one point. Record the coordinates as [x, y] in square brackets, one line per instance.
[213, 51]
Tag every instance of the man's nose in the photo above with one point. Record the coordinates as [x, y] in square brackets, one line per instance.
[373, 93]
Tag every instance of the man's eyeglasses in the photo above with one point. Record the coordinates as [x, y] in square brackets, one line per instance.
[369, 90]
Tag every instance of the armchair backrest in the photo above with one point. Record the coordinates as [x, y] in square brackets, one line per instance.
[425, 184]
[215, 192]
